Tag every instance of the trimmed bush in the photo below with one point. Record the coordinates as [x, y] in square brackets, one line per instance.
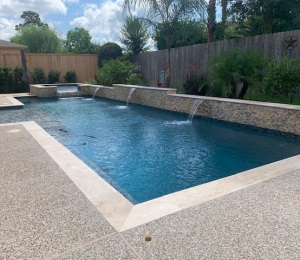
[6, 80]
[38, 76]
[53, 76]
[19, 84]
[70, 76]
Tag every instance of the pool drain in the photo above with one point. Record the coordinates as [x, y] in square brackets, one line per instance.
[148, 239]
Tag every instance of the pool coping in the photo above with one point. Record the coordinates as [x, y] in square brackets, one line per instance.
[10, 103]
[120, 212]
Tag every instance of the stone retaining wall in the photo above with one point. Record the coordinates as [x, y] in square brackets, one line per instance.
[50, 90]
[272, 116]
[43, 91]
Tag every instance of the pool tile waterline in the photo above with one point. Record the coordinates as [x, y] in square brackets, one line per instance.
[233, 189]
[143, 154]
[278, 117]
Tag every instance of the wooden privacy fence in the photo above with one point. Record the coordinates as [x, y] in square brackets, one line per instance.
[275, 46]
[85, 65]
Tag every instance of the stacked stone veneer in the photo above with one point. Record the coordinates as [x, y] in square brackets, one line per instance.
[277, 117]
[49, 90]
[43, 91]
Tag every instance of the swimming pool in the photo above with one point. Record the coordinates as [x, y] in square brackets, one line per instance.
[146, 153]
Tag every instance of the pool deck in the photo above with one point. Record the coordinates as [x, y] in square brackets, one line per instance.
[48, 212]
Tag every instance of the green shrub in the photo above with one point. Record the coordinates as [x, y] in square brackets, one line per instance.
[233, 68]
[136, 79]
[38, 76]
[107, 51]
[117, 71]
[19, 84]
[70, 76]
[6, 80]
[53, 76]
[195, 83]
[283, 78]
[91, 82]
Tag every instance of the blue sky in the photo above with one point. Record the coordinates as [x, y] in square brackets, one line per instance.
[102, 18]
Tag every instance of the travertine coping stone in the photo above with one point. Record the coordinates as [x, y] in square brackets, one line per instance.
[9, 102]
[121, 213]
[277, 117]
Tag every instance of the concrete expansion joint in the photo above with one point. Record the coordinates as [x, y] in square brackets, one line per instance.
[79, 247]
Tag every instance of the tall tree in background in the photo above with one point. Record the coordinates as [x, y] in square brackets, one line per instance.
[135, 35]
[211, 20]
[31, 18]
[108, 51]
[224, 4]
[167, 12]
[38, 39]
[79, 41]
[267, 16]
[186, 33]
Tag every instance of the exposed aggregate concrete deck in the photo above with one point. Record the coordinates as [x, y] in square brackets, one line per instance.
[44, 215]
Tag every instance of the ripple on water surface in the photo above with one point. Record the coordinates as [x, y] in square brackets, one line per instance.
[147, 153]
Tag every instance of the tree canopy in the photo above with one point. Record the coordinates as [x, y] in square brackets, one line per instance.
[186, 33]
[267, 16]
[38, 39]
[79, 41]
[31, 18]
[167, 12]
[107, 51]
[135, 35]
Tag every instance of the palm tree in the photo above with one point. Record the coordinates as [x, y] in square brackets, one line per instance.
[211, 20]
[235, 67]
[167, 12]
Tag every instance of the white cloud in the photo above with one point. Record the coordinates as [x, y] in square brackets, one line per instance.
[103, 22]
[7, 28]
[15, 8]
[11, 11]
[71, 1]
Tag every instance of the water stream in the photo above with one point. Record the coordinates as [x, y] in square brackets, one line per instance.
[129, 95]
[194, 109]
[95, 92]
[67, 91]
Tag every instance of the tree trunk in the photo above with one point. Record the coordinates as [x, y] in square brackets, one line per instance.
[224, 11]
[211, 20]
[25, 76]
[269, 21]
[233, 89]
[244, 90]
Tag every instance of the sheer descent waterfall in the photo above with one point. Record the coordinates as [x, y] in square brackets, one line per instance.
[95, 92]
[129, 95]
[68, 91]
[194, 109]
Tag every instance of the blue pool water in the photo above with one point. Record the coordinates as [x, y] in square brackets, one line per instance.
[147, 153]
